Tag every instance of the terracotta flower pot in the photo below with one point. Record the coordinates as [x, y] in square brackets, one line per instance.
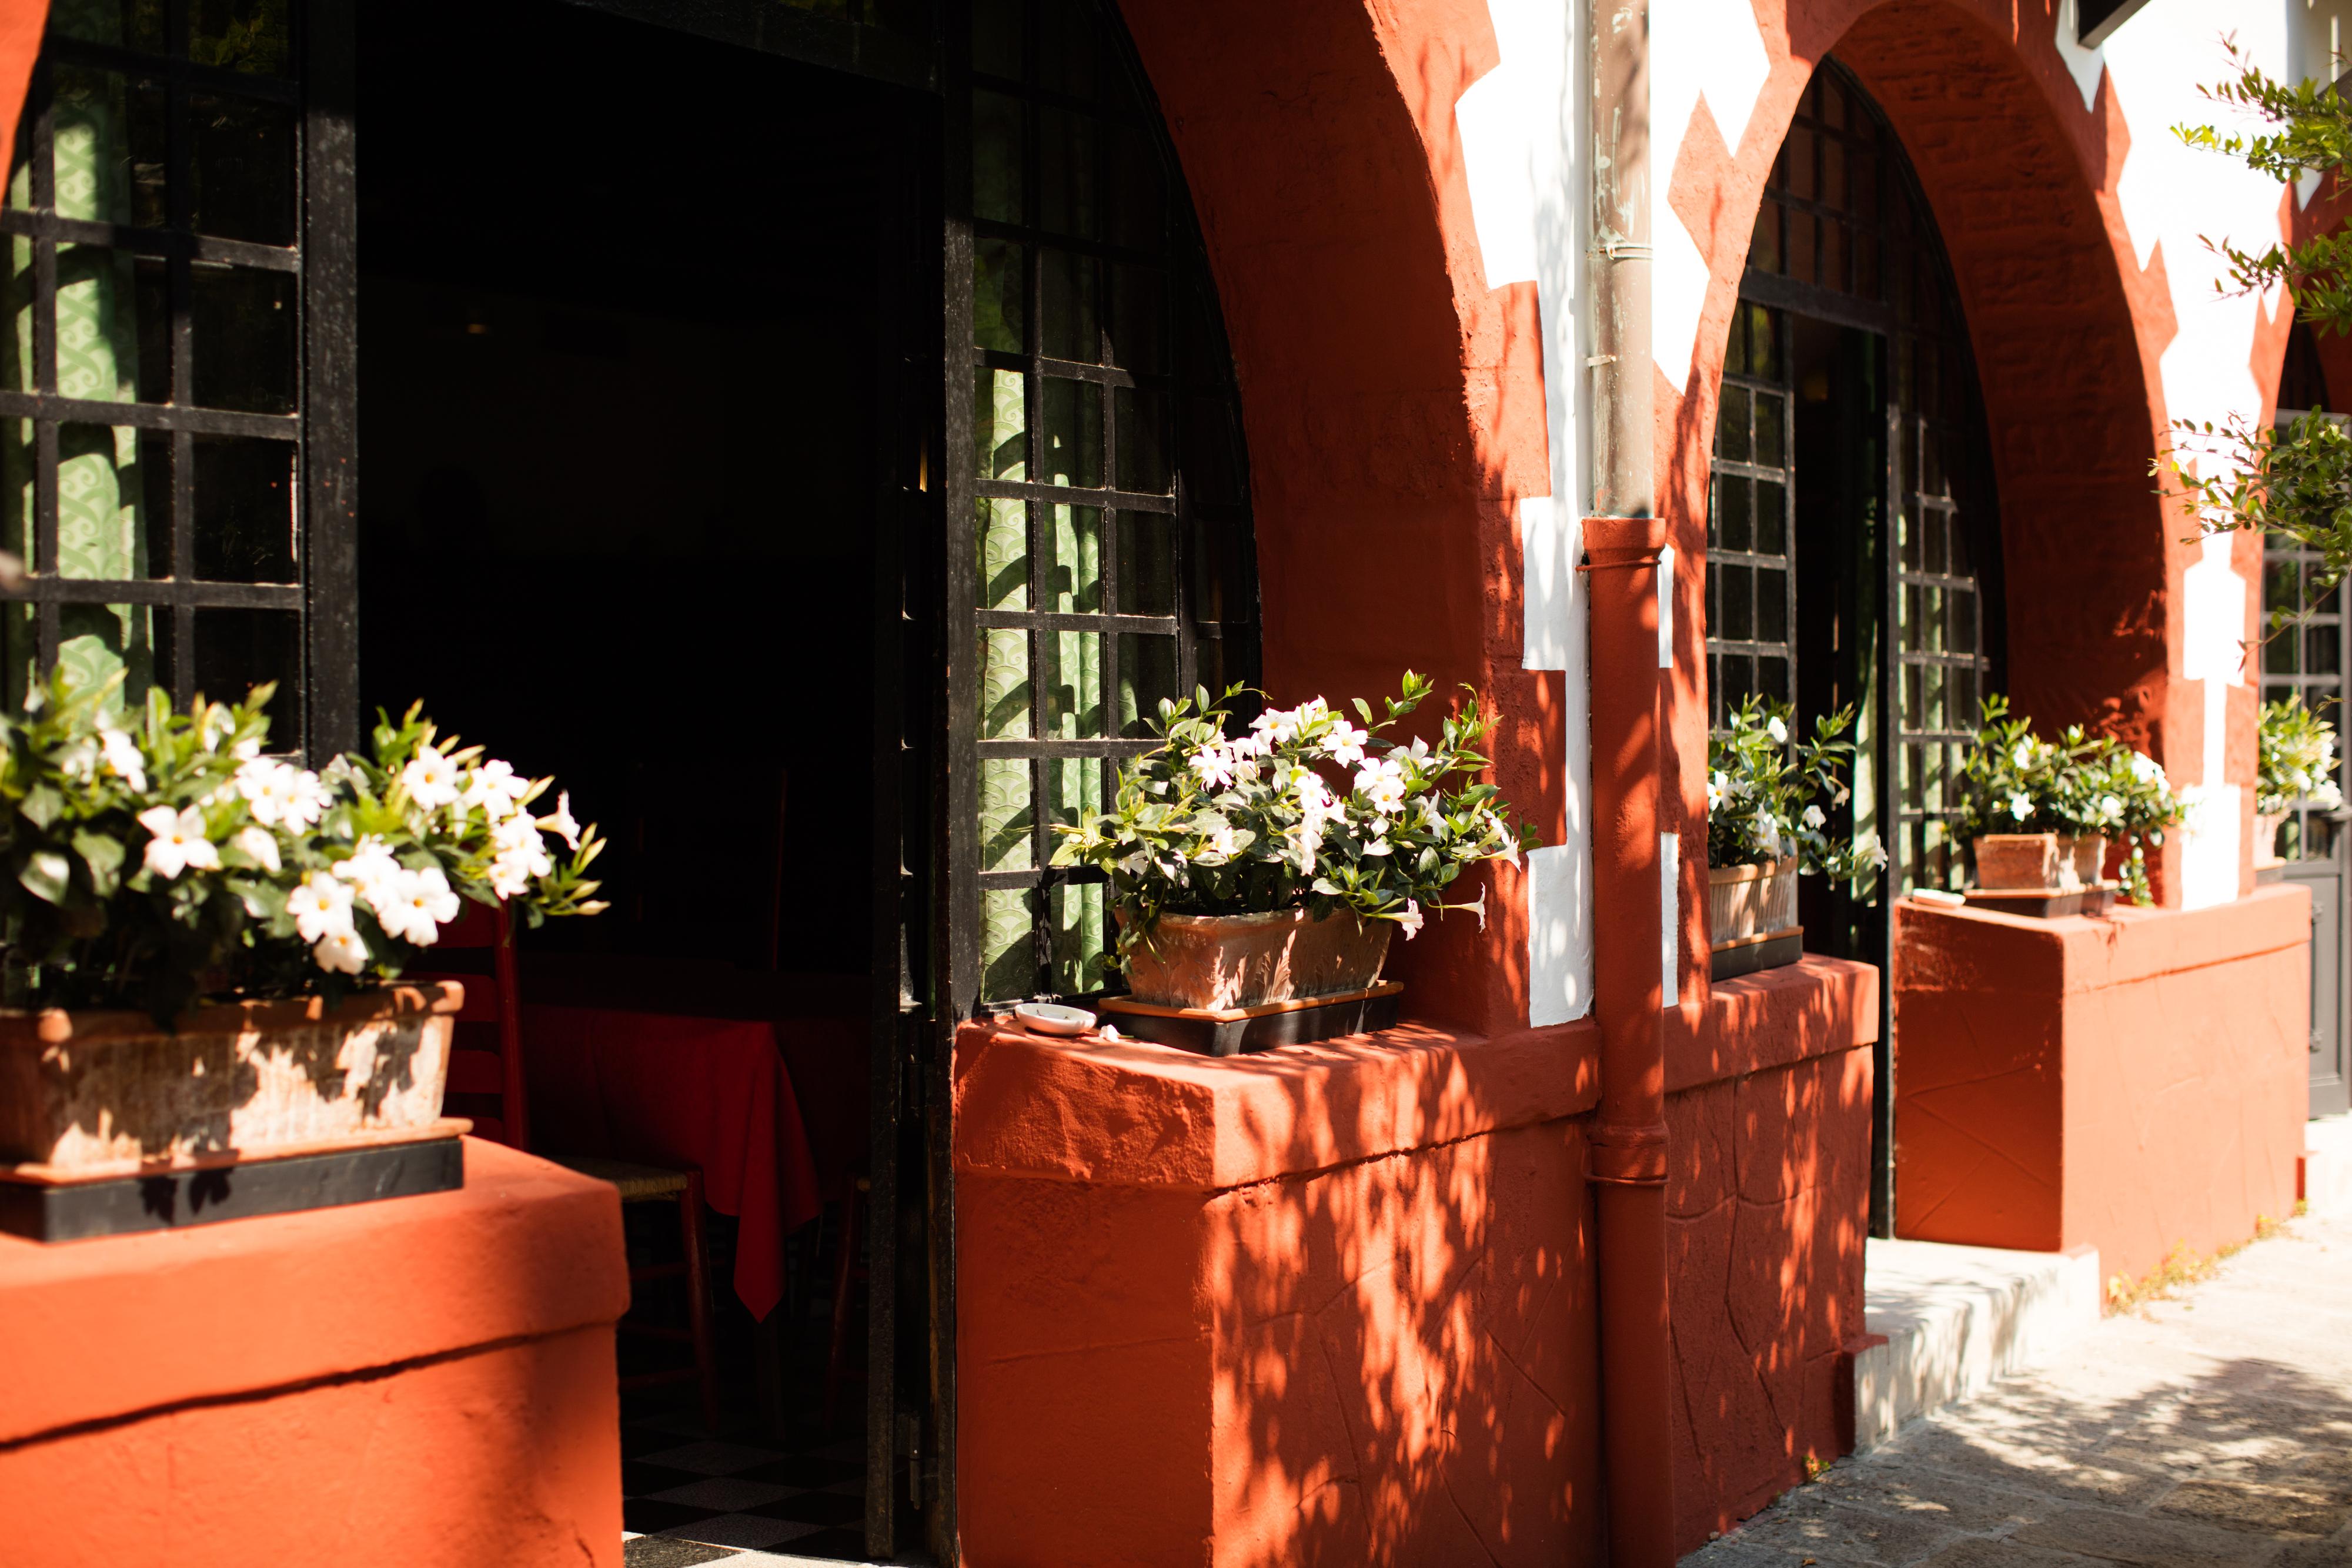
[96, 1092]
[1226, 961]
[1751, 900]
[2017, 861]
[2266, 831]
[2090, 852]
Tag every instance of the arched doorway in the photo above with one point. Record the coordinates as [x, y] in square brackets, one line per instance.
[1853, 529]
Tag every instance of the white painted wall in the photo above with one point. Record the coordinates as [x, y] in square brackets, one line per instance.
[1520, 126]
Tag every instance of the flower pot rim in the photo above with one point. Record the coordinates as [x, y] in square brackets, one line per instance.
[56, 1026]
[2015, 838]
[1751, 870]
[1267, 918]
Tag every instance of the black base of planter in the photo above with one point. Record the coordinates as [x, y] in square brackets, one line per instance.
[2045, 902]
[174, 1200]
[1240, 1031]
[1747, 955]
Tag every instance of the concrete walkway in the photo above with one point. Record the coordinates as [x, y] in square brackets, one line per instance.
[2215, 1427]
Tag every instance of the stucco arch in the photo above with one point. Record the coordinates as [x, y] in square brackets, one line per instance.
[2066, 327]
[1393, 403]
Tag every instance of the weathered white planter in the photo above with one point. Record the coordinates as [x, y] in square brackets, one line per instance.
[2017, 861]
[1751, 900]
[1225, 961]
[96, 1093]
[2266, 831]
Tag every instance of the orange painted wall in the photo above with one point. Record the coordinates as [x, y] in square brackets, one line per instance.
[2132, 1083]
[418, 1382]
[1258, 1333]
[1768, 1204]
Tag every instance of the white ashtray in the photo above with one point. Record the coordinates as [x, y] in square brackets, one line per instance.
[1051, 1017]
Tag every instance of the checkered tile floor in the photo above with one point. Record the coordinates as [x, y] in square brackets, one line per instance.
[687, 1500]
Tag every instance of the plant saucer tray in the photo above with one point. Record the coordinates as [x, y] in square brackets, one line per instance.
[1236, 1031]
[1738, 956]
[54, 1203]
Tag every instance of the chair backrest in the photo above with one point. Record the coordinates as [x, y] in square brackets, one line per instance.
[485, 1056]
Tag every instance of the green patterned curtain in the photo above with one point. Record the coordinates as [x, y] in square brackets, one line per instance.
[102, 523]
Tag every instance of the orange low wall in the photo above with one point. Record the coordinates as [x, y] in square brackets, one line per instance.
[2132, 1083]
[1329, 1304]
[420, 1382]
[1768, 1204]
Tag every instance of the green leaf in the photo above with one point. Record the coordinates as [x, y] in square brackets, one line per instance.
[103, 856]
[47, 875]
[42, 806]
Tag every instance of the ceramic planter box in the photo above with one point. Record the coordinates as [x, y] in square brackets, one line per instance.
[2266, 831]
[1744, 901]
[1228, 961]
[2017, 861]
[97, 1093]
[2082, 860]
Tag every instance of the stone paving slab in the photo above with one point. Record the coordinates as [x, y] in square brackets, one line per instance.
[2213, 1430]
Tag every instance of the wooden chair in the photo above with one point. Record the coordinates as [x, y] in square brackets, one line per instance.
[485, 1083]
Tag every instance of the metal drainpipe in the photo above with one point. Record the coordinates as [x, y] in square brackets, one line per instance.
[1623, 539]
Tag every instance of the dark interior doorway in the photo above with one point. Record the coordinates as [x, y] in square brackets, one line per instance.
[632, 314]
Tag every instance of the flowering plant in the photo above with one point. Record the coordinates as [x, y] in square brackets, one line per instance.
[2014, 781]
[1761, 797]
[2296, 759]
[156, 856]
[1306, 809]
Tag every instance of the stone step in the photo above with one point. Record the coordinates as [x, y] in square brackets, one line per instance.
[2324, 1178]
[1946, 1321]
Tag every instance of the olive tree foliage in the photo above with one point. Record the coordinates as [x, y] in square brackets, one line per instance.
[2295, 481]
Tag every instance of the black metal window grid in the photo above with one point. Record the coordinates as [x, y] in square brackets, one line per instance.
[1751, 540]
[2306, 656]
[154, 448]
[895, 41]
[1942, 667]
[1108, 549]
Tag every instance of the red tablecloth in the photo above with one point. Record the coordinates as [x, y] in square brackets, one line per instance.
[707, 1093]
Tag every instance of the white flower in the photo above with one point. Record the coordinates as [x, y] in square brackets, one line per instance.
[1813, 818]
[1777, 730]
[303, 798]
[1344, 744]
[1411, 919]
[258, 846]
[1381, 784]
[497, 789]
[1379, 846]
[123, 758]
[245, 750]
[266, 786]
[2145, 768]
[431, 778]
[2111, 808]
[1276, 726]
[416, 906]
[178, 842]
[1215, 765]
[369, 867]
[1479, 907]
[1221, 845]
[321, 907]
[1718, 786]
[1305, 838]
[215, 726]
[341, 952]
[560, 822]
[1508, 839]
[2019, 807]
[79, 760]
[2022, 758]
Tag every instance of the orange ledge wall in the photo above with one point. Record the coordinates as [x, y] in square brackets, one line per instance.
[1768, 1202]
[1330, 1305]
[2130, 1084]
[420, 1382]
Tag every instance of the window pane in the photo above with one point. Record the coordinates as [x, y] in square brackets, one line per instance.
[1003, 527]
[1213, 469]
[1734, 504]
[94, 641]
[1004, 683]
[245, 338]
[236, 649]
[1066, 154]
[2281, 589]
[1067, 55]
[1008, 961]
[1739, 603]
[1072, 327]
[1771, 517]
[114, 322]
[1147, 677]
[1078, 929]
[998, 293]
[1147, 568]
[1138, 193]
[996, 192]
[1772, 678]
[1138, 318]
[1770, 410]
[2321, 650]
[1006, 820]
[128, 24]
[1764, 244]
[1000, 425]
[113, 488]
[1771, 606]
[1073, 695]
[243, 168]
[1076, 580]
[996, 37]
[245, 510]
[1071, 448]
[1143, 441]
[1731, 426]
[108, 160]
[241, 36]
